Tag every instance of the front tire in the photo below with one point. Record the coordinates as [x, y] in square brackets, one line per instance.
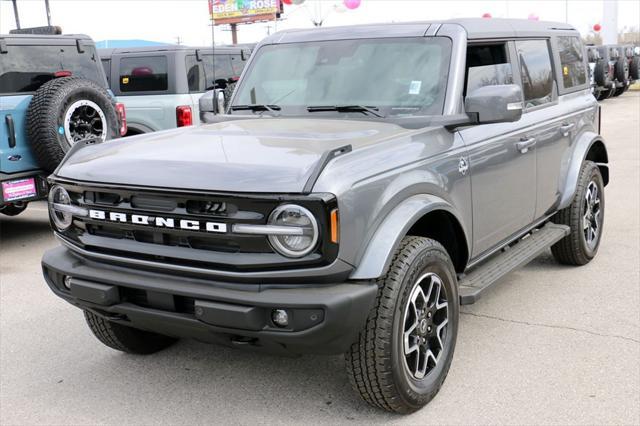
[585, 218]
[126, 339]
[404, 352]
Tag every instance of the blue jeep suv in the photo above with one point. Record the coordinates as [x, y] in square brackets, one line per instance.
[53, 93]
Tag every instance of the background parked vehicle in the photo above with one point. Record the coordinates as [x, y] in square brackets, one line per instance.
[160, 86]
[53, 93]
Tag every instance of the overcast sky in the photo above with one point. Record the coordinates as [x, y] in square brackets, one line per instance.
[166, 20]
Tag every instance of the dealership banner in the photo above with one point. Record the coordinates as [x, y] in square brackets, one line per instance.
[242, 11]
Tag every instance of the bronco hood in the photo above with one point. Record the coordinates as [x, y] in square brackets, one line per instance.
[276, 155]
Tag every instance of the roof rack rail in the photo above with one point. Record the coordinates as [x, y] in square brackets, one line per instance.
[46, 30]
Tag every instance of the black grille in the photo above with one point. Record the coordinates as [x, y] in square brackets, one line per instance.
[191, 247]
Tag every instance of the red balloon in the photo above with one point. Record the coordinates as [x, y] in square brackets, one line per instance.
[597, 28]
[352, 4]
[287, 1]
[486, 15]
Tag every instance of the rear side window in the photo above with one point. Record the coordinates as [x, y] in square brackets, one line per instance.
[200, 74]
[106, 64]
[487, 65]
[143, 74]
[574, 72]
[26, 68]
[536, 72]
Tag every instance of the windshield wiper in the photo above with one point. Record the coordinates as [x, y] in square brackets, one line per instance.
[346, 108]
[256, 107]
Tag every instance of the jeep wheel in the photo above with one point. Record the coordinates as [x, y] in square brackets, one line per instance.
[64, 111]
[404, 352]
[126, 339]
[585, 217]
[13, 209]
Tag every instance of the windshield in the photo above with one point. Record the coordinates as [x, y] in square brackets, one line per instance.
[26, 68]
[397, 76]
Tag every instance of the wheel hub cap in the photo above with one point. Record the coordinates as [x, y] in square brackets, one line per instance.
[84, 120]
[425, 325]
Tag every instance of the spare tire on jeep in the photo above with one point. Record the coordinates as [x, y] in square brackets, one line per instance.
[64, 111]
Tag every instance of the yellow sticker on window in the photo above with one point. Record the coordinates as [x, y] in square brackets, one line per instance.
[565, 70]
[125, 80]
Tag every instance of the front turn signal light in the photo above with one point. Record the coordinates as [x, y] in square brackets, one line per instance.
[335, 226]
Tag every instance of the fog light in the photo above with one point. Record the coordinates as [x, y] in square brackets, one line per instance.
[280, 317]
[67, 282]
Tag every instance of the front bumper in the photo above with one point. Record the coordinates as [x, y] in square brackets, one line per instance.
[323, 318]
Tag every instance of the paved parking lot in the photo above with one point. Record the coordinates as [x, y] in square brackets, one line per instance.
[551, 344]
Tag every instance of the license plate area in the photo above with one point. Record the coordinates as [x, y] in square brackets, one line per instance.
[19, 189]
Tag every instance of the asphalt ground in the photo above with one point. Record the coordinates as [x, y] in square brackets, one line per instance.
[550, 345]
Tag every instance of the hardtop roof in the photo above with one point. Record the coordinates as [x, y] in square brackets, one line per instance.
[476, 28]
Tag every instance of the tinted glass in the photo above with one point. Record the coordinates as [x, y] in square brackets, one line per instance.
[223, 70]
[536, 71]
[106, 64]
[574, 72]
[487, 65]
[143, 74]
[195, 76]
[26, 68]
[400, 76]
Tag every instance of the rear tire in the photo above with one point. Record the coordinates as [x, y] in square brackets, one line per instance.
[126, 339]
[404, 352]
[584, 216]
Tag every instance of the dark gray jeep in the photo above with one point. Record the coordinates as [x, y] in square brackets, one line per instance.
[363, 183]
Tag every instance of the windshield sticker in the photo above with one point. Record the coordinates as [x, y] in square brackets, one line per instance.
[414, 87]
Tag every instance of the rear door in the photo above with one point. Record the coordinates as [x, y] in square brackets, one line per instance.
[24, 67]
[562, 120]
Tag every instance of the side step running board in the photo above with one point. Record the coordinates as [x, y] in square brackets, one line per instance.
[524, 251]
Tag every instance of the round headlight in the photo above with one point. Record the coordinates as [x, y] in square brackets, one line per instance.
[299, 243]
[58, 196]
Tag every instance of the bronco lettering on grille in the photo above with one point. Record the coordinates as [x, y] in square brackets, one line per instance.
[158, 222]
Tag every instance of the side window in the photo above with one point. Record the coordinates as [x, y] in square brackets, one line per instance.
[237, 64]
[487, 65]
[536, 72]
[143, 74]
[195, 76]
[106, 64]
[574, 72]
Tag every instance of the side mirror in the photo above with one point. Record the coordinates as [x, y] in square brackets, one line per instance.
[245, 54]
[212, 102]
[495, 104]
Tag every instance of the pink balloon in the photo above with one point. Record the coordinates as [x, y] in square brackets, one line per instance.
[533, 17]
[352, 4]
[486, 15]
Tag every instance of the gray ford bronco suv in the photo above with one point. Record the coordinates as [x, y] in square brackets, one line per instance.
[362, 184]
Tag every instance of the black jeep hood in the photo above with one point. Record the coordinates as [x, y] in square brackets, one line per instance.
[256, 155]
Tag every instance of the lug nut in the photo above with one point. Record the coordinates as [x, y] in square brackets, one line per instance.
[280, 317]
[428, 314]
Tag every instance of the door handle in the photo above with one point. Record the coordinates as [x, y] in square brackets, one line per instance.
[524, 144]
[566, 128]
[12, 130]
